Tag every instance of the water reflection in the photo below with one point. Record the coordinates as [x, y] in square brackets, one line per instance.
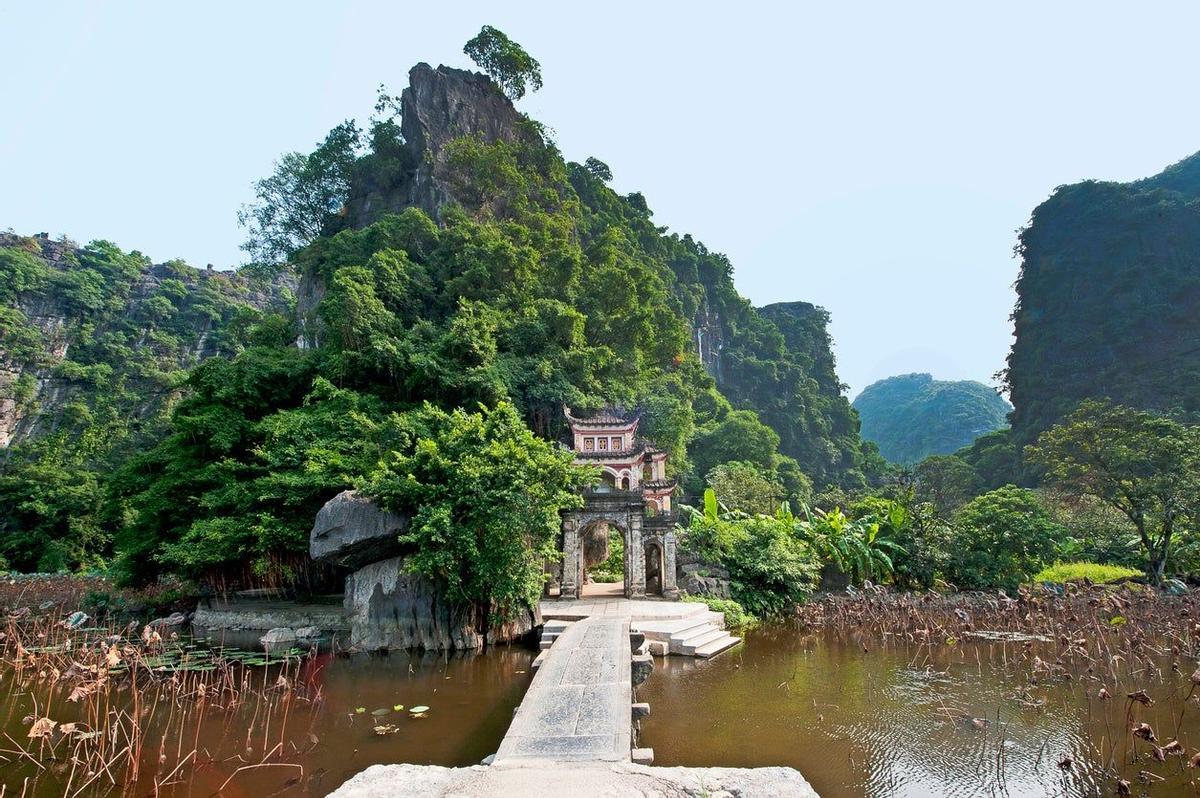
[316, 733]
[858, 718]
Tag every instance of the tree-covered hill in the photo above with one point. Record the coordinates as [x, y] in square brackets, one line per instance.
[912, 416]
[1107, 300]
[449, 259]
[95, 348]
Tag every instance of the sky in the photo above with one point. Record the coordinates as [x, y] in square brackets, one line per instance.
[872, 158]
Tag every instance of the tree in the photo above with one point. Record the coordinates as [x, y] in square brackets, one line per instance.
[505, 62]
[485, 494]
[294, 203]
[945, 481]
[598, 169]
[1143, 464]
[1001, 539]
[746, 487]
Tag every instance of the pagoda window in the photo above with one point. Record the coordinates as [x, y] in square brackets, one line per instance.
[603, 444]
[616, 444]
[647, 473]
[589, 444]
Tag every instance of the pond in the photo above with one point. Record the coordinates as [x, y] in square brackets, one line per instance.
[206, 723]
[863, 716]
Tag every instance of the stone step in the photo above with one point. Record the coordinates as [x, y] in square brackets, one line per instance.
[692, 644]
[666, 630]
[538, 660]
[715, 647]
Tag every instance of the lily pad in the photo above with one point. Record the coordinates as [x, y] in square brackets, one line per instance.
[381, 711]
[418, 710]
[398, 708]
[360, 710]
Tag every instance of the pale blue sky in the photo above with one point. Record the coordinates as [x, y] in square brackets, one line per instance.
[872, 158]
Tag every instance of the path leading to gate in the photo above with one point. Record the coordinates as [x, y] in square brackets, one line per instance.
[579, 705]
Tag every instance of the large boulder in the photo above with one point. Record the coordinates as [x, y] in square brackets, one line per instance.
[351, 531]
[391, 608]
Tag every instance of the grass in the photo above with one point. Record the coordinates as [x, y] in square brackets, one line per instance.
[1095, 573]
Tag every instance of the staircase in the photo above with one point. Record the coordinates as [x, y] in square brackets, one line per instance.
[700, 635]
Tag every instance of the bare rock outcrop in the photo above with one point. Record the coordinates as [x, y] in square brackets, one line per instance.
[351, 531]
[391, 608]
[438, 106]
[387, 606]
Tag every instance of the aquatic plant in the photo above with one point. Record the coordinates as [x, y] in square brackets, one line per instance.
[121, 708]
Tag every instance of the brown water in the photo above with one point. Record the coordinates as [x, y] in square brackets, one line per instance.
[971, 719]
[311, 733]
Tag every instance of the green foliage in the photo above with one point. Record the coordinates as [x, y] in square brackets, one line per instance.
[1145, 466]
[112, 365]
[946, 482]
[293, 204]
[996, 460]
[771, 568]
[861, 548]
[485, 494]
[1106, 298]
[1000, 539]
[505, 62]
[745, 487]
[1092, 572]
[736, 617]
[913, 416]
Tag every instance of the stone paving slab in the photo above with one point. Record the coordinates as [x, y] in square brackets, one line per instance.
[634, 609]
[577, 707]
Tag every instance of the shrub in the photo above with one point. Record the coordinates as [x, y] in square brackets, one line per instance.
[606, 577]
[1096, 573]
[735, 614]
[1000, 539]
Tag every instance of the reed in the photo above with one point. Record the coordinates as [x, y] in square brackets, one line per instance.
[126, 709]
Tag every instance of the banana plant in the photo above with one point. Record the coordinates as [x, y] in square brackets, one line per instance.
[861, 547]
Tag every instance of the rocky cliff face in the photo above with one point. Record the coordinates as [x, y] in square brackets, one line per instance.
[438, 106]
[85, 321]
[1107, 299]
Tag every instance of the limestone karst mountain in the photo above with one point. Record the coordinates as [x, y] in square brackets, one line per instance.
[1108, 299]
[912, 416]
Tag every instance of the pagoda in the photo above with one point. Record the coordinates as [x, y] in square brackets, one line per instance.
[629, 463]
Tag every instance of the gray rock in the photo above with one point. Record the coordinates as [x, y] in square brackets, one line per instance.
[172, 620]
[576, 779]
[390, 608]
[351, 531]
[438, 106]
[308, 633]
[642, 665]
[278, 639]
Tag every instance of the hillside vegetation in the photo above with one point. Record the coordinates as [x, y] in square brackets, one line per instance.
[912, 416]
[455, 272]
[1107, 298]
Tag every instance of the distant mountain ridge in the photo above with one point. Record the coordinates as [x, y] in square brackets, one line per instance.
[912, 416]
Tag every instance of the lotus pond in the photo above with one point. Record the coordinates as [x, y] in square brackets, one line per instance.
[1087, 695]
[101, 711]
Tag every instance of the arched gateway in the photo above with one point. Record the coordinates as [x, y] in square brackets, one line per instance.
[633, 497]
